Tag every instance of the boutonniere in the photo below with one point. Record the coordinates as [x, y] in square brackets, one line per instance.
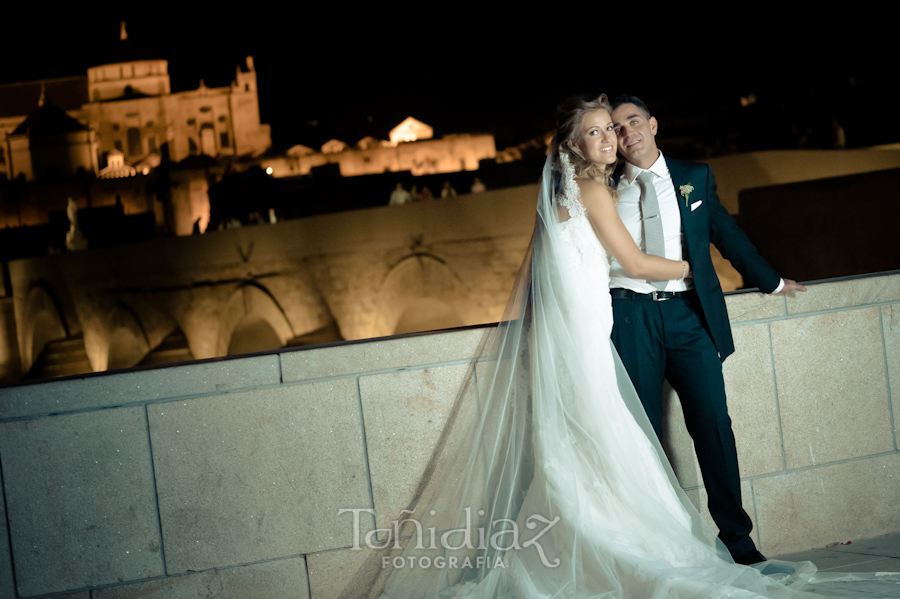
[686, 193]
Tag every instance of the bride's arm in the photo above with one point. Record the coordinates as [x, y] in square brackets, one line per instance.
[608, 226]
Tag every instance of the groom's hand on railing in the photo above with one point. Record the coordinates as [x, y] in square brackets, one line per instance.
[790, 286]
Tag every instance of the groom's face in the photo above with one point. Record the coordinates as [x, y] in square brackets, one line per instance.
[636, 135]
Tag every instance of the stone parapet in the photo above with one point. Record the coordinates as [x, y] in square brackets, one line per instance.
[228, 474]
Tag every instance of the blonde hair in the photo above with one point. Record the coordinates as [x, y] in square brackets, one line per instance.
[569, 116]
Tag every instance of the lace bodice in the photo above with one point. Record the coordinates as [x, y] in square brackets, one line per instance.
[583, 253]
[570, 198]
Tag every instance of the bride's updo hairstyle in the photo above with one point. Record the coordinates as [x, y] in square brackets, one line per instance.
[569, 115]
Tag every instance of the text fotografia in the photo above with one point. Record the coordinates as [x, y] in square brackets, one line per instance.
[452, 562]
[502, 535]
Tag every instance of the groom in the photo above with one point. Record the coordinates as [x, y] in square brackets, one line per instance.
[679, 330]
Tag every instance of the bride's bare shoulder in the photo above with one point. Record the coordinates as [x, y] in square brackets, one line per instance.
[593, 192]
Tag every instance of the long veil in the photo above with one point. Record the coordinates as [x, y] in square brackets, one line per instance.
[548, 480]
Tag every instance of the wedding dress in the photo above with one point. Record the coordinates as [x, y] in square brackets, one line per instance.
[549, 481]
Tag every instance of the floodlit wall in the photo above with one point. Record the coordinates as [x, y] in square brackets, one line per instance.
[450, 154]
[228, 474]
[367, 271]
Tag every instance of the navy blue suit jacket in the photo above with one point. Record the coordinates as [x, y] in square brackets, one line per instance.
[710, 222]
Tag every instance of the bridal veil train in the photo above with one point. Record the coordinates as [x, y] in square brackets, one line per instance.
[548, 480]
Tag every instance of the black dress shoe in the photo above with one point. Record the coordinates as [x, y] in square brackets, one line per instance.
[750, 558]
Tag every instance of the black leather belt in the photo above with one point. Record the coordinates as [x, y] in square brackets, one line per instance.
[656, 296]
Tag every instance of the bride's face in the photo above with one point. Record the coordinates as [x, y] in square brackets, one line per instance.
[597, 140]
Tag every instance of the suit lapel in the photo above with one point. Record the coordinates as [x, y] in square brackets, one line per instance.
[680, 176]
[680, 173]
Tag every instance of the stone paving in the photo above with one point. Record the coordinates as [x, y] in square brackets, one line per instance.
[878, 554]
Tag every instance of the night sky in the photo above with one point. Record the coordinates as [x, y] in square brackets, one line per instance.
[323, 75]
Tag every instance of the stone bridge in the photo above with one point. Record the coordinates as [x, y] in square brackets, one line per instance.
[346, 276]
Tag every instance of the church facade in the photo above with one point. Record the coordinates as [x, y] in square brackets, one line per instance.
[128, 106]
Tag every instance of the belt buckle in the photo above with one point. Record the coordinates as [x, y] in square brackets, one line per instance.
[655, 296]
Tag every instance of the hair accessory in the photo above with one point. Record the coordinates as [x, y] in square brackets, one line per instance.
[568, 171]
[569, 195]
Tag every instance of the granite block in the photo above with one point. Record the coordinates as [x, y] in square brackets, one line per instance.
[832, 389]
[7, 583]
[80, 500]
[356, 573]
[280, 579]
[384, 354]
[827, 560]
[882, 546]
[845, 294]
[750, 388]
[877, 564]
[363, 573]
[890, 323]
[406, 414]
[753, 306]
[51, 397]
[832, 503]
[258, 475]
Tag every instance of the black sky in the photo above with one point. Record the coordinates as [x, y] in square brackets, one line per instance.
[323, 74]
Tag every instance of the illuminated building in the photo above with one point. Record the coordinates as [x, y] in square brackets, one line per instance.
[127, 105]
[411, 148]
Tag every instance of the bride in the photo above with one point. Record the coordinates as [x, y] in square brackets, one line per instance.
[548, 480]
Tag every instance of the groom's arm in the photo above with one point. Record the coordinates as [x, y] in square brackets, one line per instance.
[736, 247]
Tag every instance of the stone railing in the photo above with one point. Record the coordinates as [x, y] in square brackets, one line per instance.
[228, 474]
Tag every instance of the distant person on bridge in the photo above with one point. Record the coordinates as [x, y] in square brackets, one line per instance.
[400, 196]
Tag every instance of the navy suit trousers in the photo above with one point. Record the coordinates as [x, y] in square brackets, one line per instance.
[669, 340]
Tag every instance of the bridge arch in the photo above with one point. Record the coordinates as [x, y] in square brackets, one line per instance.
[419, 293]
[44, 322]
[252, 321]
[127, 341]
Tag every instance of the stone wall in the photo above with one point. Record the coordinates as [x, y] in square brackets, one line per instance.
[737, 172]
[226, 476]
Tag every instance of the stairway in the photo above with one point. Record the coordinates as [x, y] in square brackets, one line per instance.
[174, 348]
[62, 357]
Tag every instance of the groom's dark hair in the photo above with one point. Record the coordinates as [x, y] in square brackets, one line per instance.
[631, 100]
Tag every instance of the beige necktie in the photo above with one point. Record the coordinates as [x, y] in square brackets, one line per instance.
[654, 241]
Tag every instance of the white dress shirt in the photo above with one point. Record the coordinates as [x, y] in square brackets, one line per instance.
[629, 209]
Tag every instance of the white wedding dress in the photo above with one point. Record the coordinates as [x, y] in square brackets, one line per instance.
[558, 448]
